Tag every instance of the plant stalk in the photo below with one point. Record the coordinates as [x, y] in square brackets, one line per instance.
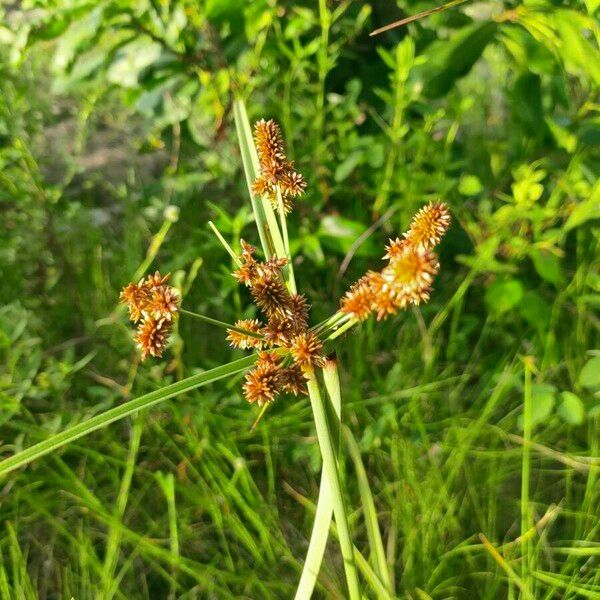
[525, 470]
[220, 324]
[331, 472]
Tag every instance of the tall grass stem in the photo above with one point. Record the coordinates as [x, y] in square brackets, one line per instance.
[331, 472]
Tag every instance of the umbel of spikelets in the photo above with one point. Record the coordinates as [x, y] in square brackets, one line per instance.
[409, 274]
[286, 327]
[153, 305]
[276, 171]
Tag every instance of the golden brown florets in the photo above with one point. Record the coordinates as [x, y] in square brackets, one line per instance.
[135, 295]
[263, 382]
[270, 294]
[306, 350]
[279, 330]
[246, 273]
[358, 300]
[244, 341]
[292, 184]
[298, 311]
[152, 337]
[154, 305]
[410, 275]
[429, 225]
[395, 247]
[276, 171]
[162, 302]
[269, 142]
[293, 380]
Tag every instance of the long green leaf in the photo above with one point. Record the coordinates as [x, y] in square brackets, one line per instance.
[114, 414]
[370, 513]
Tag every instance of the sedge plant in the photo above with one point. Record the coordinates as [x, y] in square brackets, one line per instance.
[288, 354]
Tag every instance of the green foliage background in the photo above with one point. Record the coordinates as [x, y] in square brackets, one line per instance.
[117, 145]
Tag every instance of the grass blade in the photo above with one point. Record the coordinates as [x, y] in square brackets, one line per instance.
[54, 442]
[366, 497]
[526, 547]
[113, 545]
[416, 17]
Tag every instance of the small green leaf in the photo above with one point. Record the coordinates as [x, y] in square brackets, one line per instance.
[503, 295]
[587, 210]
[547, 265]
[590, 374]
[469, 185]
[449, 60]
[571, 409]
[339, 234]
[543, 398]
[345, 168]
[535, 310]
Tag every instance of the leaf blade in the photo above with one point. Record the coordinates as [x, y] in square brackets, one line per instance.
[71, 434]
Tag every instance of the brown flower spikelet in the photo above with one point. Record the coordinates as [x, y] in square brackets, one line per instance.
[279, 330]
[358, 300]
[135, 295]
[395, 247]
[293, 380]
[383, 301]
[275, 169]
[242, 340]
[246, 273]
[269, 142]
[162, 302]
[429, 225]
[298, 311]
[292, 184]
[411, 274]
[306, 348]
[270, 294]
[152, 336]
[154, 305]
[263, 382]
[156, 280]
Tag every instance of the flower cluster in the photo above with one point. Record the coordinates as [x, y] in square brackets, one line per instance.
[153, 305]
[407, 278]
[276, 171]
[286, 327]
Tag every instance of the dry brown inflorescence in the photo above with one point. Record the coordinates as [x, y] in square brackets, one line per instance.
[408, 276]
[153, 305]
[286, 347]
[285, 326]
[276, 171]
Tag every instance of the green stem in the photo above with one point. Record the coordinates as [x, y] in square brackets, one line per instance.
[286, 242]
[221, 324]
[324, 512]
[234, 256]
[344, 327]
[525, 470]
[331, 472]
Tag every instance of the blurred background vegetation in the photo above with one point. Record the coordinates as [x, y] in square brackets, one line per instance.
[117, 145]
